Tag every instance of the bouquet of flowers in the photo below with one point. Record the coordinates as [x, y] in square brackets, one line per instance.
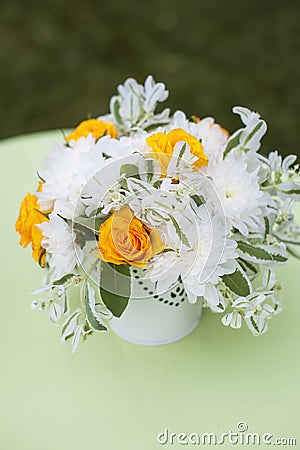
[158, 194]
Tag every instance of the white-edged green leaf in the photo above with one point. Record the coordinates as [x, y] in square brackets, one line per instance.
[290, 189]
[63, 280]
[182, 236]
[254, 130]
[76, 338]
[279, 258]
[267, 226]
[288, 161]
[55, 312]
[91, 315]
[238, 282]
[269, 278]
[66, 304]
[257, 254]
[232, 142]
[288, 232]
[115, 108]
[252, 269]
[255, 133]
[70, 324]
[252, 325]
[136, 186]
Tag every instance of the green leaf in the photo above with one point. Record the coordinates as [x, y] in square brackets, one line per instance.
[267, 226]
[279, 258]
[232, 142]
[116, 108]
[154, 126]
[254, 324]
[238, 283]
[182, 236]
[149, 169]
[289, 191]
[253, 132]
[248, 266]
[181, 153]
[91, 223]
[115, 287]
[66, 306]
[63, 279]
[198, 199]
[91, 317]
[262, 255]
[130, 171]
[256, 253]
[68, 321]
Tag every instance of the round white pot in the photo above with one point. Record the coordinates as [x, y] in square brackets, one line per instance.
[152, 319]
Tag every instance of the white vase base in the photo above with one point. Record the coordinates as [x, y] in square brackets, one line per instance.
[157, 342]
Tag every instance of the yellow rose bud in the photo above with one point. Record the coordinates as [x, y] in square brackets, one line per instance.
[96, 127]
[124, 239]
[30, 216]
[162, 145]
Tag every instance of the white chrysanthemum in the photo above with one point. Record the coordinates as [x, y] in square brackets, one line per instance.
[66, 171]
[200, 268]
[117, 148]
[215, 256]
[60, 244]
[238, 192]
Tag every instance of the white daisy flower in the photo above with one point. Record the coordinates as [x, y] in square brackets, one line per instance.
[59, 241]
[214, 256]
[239, 193]
[66, 171]
[201, 267]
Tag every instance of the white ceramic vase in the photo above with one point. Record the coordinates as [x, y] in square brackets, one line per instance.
[152, 319]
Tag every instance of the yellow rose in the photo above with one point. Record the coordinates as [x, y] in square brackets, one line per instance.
[96, 127]
[162, 145]
[124, 239]
[30, 216]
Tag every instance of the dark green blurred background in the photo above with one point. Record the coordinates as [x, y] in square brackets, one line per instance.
[61, 61]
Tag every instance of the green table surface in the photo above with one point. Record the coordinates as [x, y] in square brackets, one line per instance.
[112, 394]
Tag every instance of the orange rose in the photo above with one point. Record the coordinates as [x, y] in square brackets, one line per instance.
[94, 126]
[162, 145]
[30, 216]
[124, 239]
